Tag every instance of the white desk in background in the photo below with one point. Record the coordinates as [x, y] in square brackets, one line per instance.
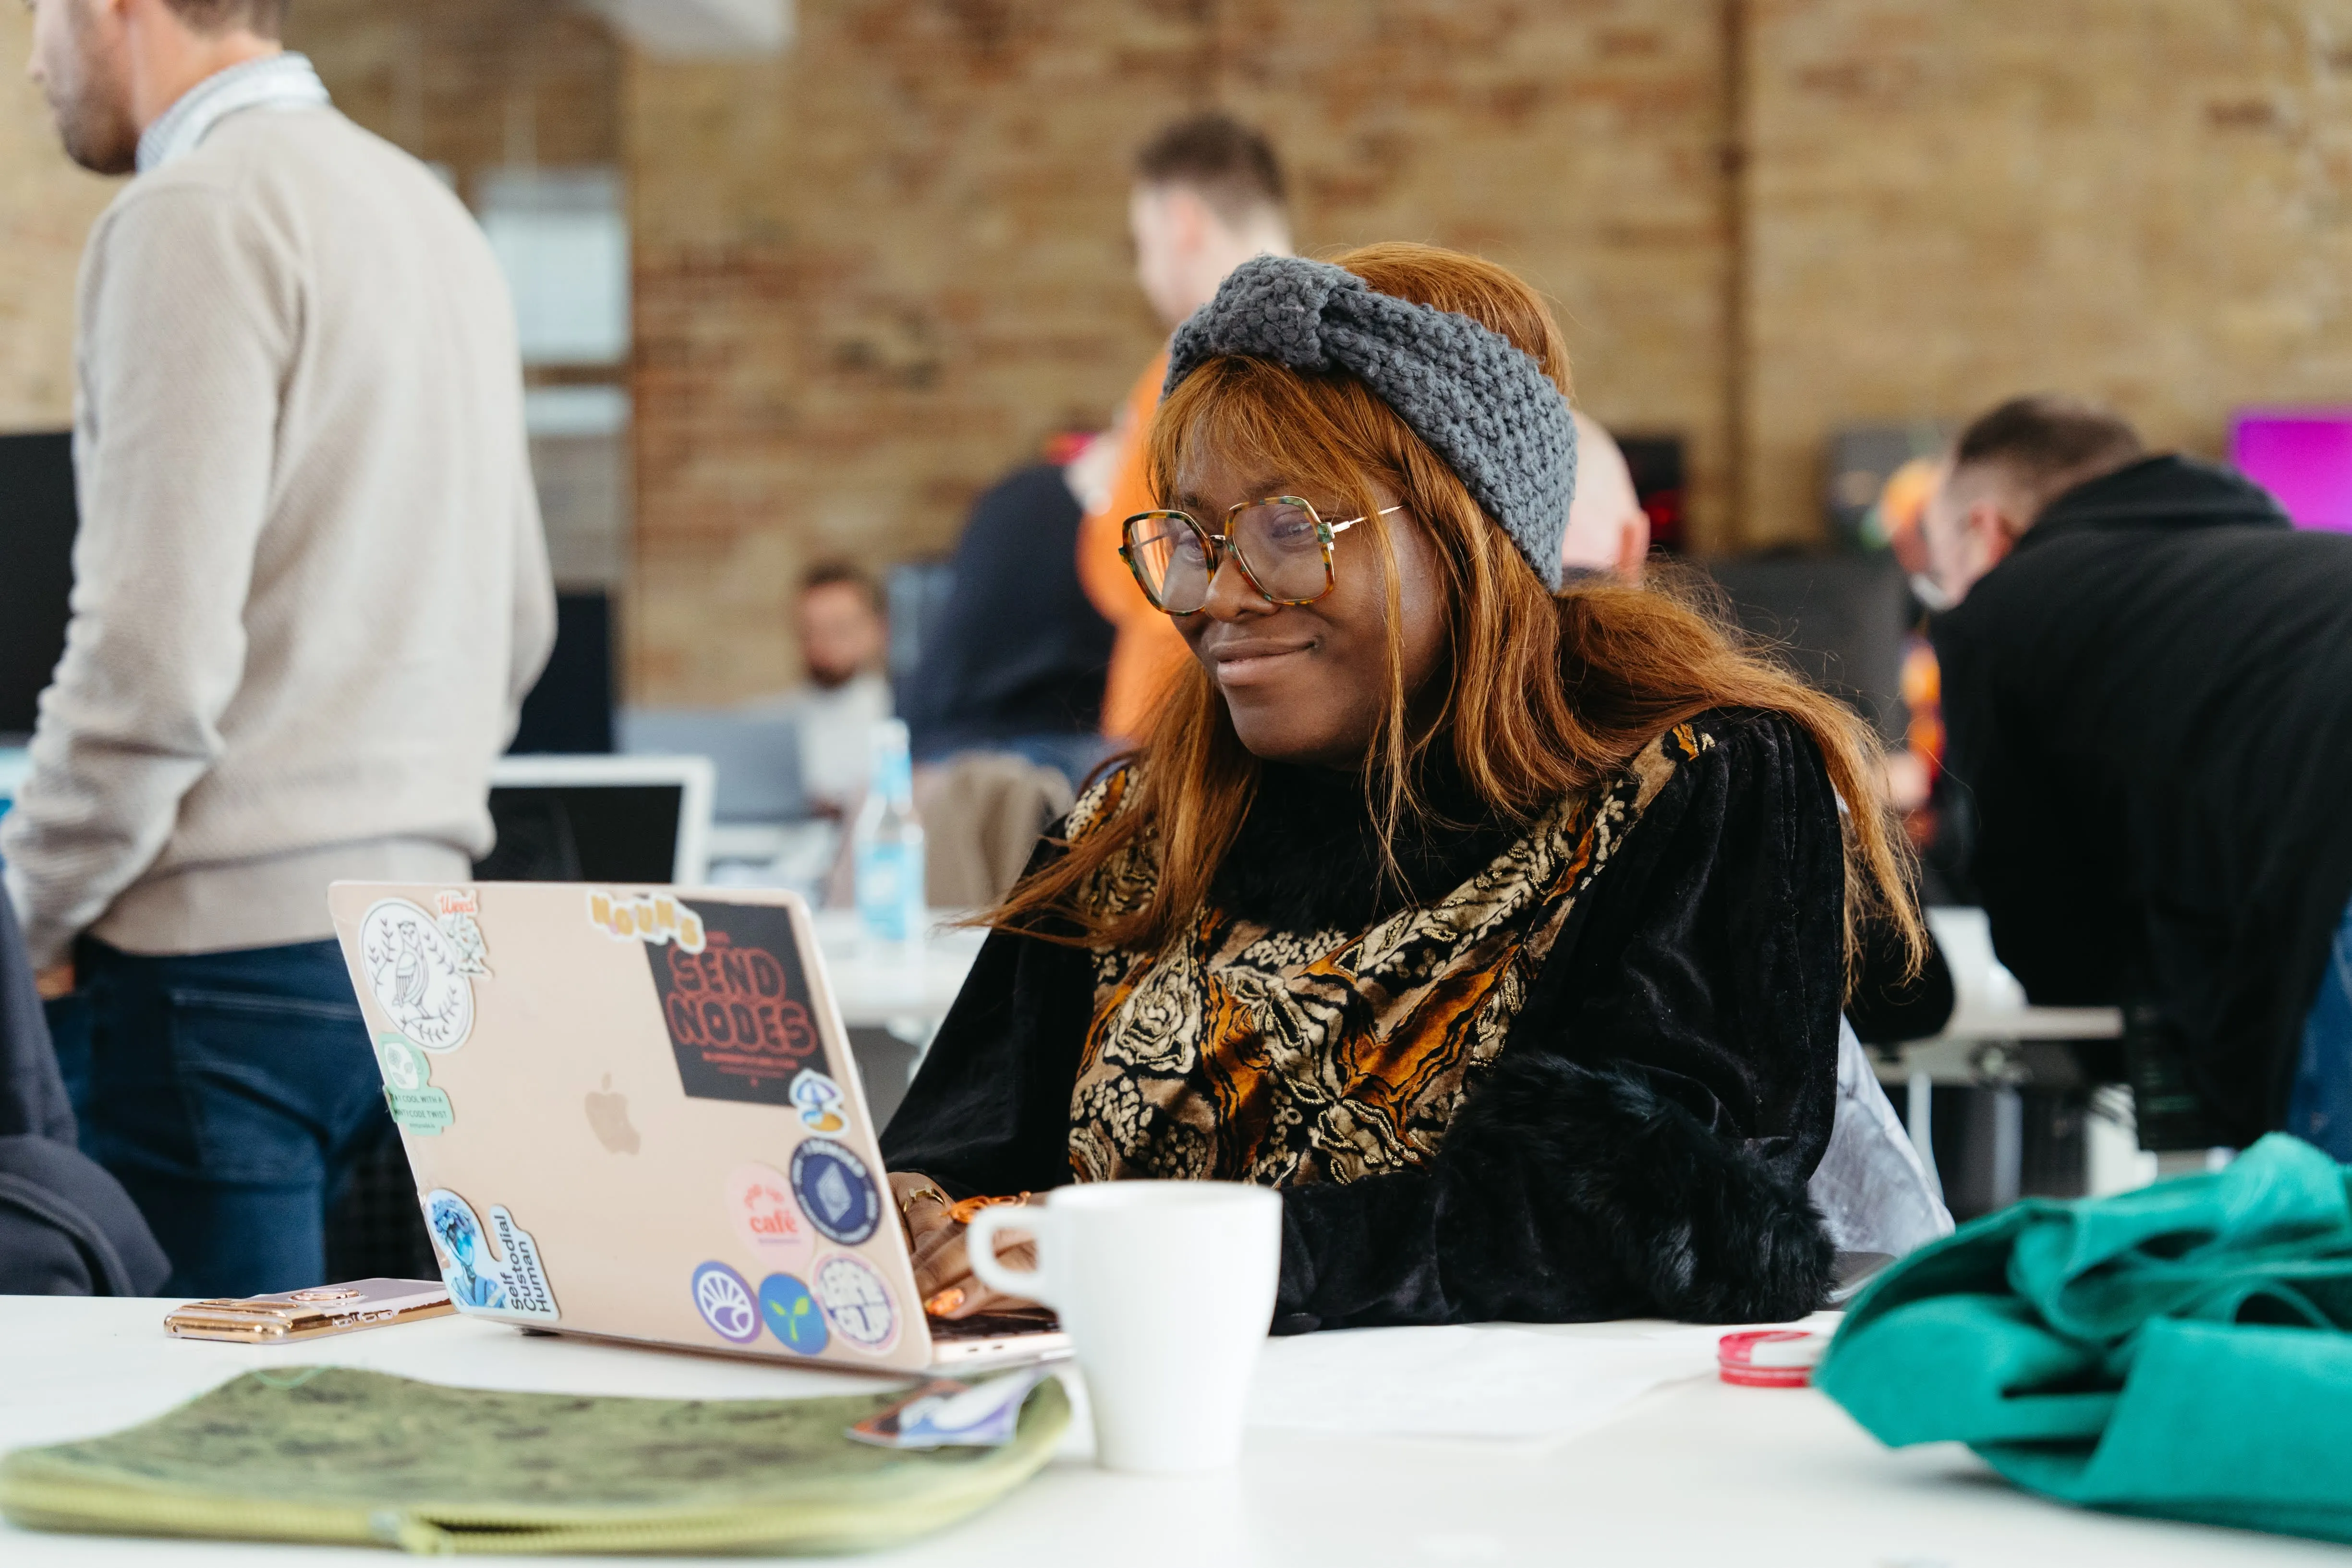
[1988, 1044]
[907, 999]
[1984, 1045]
[1694, 1472]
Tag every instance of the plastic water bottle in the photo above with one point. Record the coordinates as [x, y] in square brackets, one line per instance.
[887, 849]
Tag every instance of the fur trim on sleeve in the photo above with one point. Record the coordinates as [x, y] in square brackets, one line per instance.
[1559, 1160]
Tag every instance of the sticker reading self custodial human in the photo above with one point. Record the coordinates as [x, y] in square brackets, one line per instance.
[739, 1008]
[507, 1281]
[416, 974]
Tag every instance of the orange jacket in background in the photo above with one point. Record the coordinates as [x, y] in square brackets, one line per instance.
[1147, 647]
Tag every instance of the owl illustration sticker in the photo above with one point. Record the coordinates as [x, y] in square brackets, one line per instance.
[415, 974]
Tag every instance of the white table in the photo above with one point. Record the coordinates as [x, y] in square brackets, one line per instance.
[1697, 1472]
[907, 999]
[1983, 1046]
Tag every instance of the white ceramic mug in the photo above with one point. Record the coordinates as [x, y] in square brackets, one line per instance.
[1167, 1290]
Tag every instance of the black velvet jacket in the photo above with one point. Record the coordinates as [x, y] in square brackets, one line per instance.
[1641, 1144]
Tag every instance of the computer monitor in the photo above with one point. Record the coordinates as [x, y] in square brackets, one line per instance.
[1839, 619]
[756, 756]
[569, 710]
[2300, 455]
[599, 819]
[36, 535]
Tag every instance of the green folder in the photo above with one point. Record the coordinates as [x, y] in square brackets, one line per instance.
[2180, 1351]
[329, 1454]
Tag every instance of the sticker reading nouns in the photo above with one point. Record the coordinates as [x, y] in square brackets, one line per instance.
[415, 974]
[823, 1107]
[856, 1302]
[736, 1005]
[759, 1202]
[416, 1106]
[651, 918]
[835, 1191]
[726, 1304]
[792, 1314]
[461, 924]
[509, 1281]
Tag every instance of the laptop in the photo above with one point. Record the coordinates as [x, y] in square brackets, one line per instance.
[632, 1113]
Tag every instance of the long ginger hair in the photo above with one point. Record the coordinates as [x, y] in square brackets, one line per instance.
[1540, 694]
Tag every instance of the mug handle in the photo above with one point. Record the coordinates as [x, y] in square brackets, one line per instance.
[980, 1248]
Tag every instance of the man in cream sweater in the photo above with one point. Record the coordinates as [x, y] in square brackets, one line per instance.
[310, 591]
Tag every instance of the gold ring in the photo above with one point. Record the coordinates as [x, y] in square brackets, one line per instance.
[934, 1194]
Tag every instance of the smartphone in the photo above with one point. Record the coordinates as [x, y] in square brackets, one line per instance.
[312, 1313]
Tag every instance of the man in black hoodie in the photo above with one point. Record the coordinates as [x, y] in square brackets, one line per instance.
[2147, 687]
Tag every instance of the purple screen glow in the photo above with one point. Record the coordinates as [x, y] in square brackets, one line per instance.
[2302, 456]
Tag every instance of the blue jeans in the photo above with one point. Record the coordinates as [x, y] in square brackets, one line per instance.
[2320, 1109]
[229, 1093]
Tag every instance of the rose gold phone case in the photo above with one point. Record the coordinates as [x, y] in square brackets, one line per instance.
[311, 1313]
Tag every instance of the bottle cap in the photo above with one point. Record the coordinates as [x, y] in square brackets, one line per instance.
[1770, 1358]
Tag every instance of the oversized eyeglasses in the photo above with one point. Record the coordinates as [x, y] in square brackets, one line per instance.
[1280, 543]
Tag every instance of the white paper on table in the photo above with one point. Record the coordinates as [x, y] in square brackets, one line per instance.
[1473, 1381]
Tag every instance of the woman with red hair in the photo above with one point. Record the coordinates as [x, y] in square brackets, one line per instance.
[1502, 927]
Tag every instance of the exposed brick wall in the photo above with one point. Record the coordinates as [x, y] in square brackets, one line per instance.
[470, 84]
[2146, 200]
[46, 206]
[874, 272]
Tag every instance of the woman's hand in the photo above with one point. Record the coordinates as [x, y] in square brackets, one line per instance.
[942, 1270]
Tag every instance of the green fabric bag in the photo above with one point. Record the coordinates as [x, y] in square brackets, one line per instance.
[2179, 1351]
[329, 1454]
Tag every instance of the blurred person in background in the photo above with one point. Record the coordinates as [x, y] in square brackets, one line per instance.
[310, 591]
[844, 636]
[1208, 195]
[1016, 659]
[2148, 690]
[1607, 533]
[1914, 771]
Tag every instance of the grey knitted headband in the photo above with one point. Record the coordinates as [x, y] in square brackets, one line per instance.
[1483, 405]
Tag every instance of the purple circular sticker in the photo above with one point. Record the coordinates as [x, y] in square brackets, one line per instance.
[726, 1304]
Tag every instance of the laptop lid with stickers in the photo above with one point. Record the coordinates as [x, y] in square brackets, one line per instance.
[632, 1111]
